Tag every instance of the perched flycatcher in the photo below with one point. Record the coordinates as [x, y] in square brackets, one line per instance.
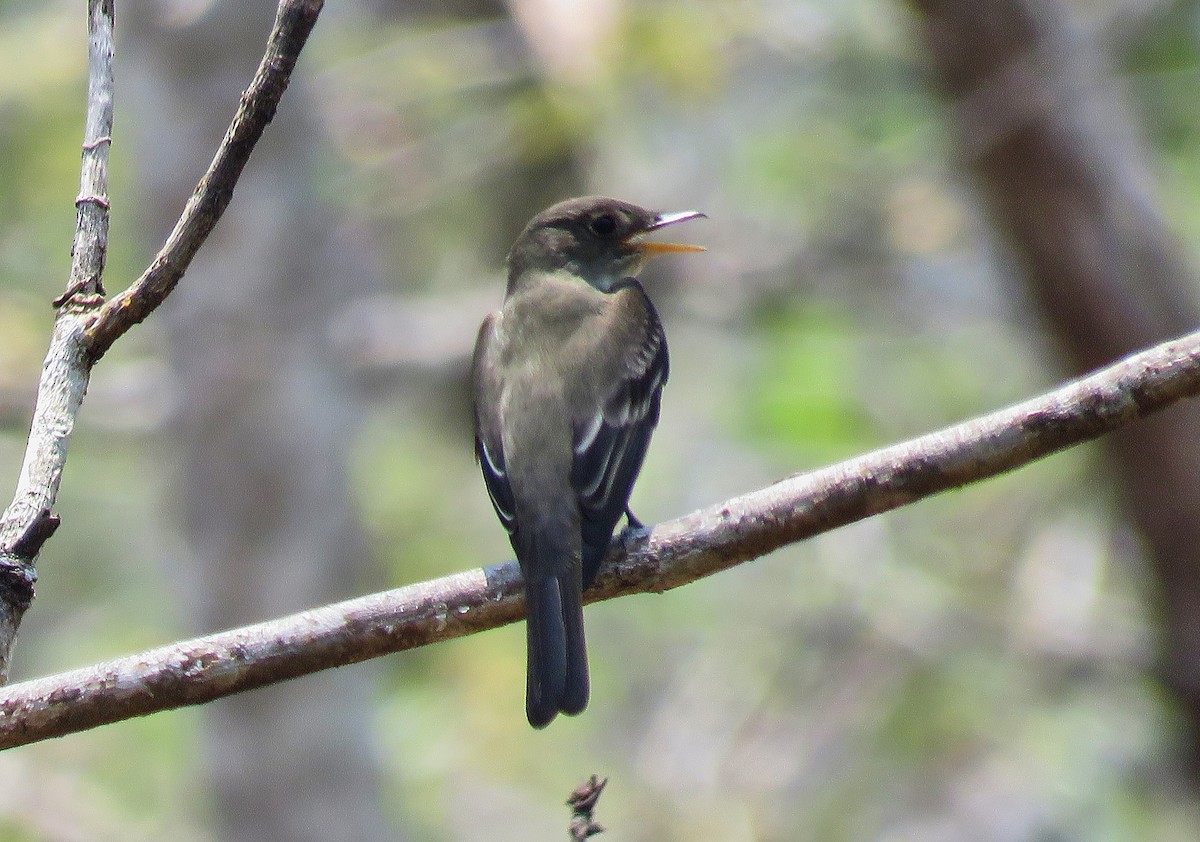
[568, 376]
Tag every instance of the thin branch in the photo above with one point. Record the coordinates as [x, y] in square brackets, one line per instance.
[671, 554]
[90, 248]
[85, 326]
[293, 23]
[27, 521]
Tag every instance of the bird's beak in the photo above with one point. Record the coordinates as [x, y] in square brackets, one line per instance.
[651, 248]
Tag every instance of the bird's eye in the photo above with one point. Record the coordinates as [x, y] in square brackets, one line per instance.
[604, 224]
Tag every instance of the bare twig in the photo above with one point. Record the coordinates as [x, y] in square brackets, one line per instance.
[29, 544]
[26, 523]
[583, 809]
[293, 23]
[90, 248]
[85, 326]
[669, 555]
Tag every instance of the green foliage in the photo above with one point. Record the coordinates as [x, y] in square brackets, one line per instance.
[678, 46]
[798, 392]
[1162, 60]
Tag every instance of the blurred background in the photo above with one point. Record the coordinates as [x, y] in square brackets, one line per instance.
[919, 212]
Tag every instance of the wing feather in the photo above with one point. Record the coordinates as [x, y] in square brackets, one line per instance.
[609, 446]
[489, 446]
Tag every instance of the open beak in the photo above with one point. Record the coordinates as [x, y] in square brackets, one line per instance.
[651, 248]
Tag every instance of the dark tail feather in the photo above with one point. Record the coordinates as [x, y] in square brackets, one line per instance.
[558, 668]
[575, 689]
[547, 638]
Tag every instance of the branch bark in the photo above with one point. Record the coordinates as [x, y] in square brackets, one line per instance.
[293, 24]
[85, 326]
[668, 556]
[27, 522]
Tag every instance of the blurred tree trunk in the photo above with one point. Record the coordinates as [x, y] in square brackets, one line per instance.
[1043, 127]
[265, 422]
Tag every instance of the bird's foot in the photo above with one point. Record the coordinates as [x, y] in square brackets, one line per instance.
[633, 531]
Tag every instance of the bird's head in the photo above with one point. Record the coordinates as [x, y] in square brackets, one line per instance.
[599, 239]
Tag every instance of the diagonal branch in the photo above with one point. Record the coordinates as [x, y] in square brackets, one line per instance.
[293, 23]
[86, 326]
[668, 556]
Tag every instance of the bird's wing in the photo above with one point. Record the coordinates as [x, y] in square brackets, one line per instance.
[489, 446]
[609, 446]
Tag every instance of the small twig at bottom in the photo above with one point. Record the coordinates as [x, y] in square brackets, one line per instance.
[583, 803]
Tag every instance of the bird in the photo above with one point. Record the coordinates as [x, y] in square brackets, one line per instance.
[567, 379]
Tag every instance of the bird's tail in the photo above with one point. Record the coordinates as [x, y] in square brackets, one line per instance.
[558, 668]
